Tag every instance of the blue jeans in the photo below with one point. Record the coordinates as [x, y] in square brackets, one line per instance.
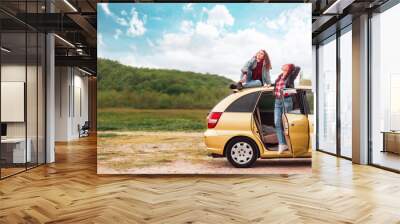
[252, 83]
[249, 81]
[278, 111]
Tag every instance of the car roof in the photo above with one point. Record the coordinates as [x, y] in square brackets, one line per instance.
[224, 103]
[268, 89]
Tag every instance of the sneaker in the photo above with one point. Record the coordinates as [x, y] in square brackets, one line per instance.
[282, 148]
[233, 86]
[239, 86]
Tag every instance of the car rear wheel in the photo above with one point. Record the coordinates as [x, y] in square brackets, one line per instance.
[241, 152]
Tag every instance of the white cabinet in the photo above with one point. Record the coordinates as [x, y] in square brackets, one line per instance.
[17, 148]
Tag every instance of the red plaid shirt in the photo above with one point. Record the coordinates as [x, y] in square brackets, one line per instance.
[279, 85]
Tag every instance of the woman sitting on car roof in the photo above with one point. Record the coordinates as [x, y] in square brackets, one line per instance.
[255, 72]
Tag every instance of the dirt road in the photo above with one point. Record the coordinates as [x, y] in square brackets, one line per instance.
[175, 153]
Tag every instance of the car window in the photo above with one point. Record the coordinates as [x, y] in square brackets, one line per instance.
[310, 102]
[297, 105]
[267, 102]
[245, 103]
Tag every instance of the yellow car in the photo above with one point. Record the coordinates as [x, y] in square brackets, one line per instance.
[241, 126]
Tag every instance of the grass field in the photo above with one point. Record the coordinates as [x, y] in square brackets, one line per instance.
[125, 119]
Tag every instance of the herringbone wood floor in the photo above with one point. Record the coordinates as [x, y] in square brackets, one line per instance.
[70, 191]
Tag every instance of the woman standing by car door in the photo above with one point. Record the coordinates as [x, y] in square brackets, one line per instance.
[282, 100]
[256, 72]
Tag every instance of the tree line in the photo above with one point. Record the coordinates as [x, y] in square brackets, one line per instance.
[144, 88]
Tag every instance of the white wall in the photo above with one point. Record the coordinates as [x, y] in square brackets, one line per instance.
[80, 109]
[71, 102]
[62, 81]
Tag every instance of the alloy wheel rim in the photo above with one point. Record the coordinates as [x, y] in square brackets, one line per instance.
[242, 152]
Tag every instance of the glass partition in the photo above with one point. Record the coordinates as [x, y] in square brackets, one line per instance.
[385, 89]
[22, 88]
[327, 96]
[346, 93]
[13, 94]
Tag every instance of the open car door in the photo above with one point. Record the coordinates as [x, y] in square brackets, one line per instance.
[295, 123]
[310, 114]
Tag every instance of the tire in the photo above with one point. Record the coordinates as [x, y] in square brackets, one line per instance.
[241, 152]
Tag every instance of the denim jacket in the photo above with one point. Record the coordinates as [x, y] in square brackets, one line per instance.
[251, 64]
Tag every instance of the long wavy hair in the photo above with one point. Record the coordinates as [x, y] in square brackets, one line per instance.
[267, 61]
[290, 68]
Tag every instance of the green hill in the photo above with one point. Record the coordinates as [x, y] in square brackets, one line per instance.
[124, 86]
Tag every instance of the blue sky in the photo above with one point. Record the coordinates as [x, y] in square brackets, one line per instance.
[204, 37]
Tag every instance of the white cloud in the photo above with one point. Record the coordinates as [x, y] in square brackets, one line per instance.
[223, 55]
[188, 7]
[136, 26]
[121, 21]
[206, 30]
[207, 47]
[272, 24]
[100, 40]
[124, 13]
[186, 26]
[290, 19]
[118, 33]
[105, 8]
[156, 18]
[279, 23]
[219, 16]
[296, 26]
[100, 45]
[150, 43]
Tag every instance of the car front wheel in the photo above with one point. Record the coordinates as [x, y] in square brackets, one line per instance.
[241, 152]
